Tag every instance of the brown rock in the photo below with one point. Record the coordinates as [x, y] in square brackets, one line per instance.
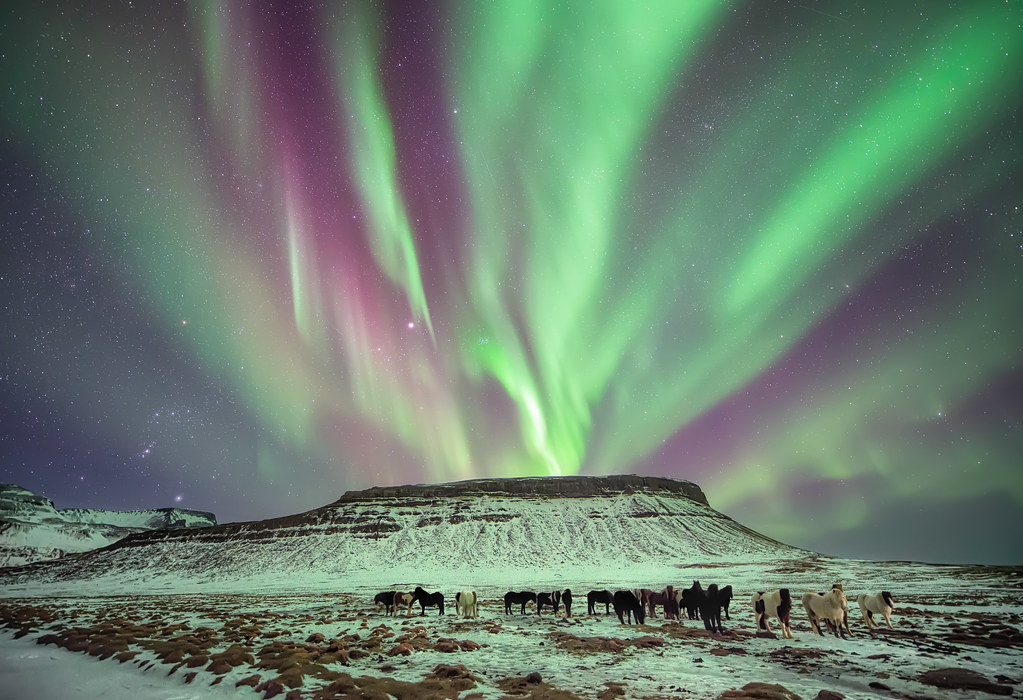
[612, 690]
[963, 679]
[270, 688]
[198, 660]
[759, 691]
[252, 681]
[455, 676]
[218, 667]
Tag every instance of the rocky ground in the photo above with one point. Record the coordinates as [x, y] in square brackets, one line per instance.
[338, 645]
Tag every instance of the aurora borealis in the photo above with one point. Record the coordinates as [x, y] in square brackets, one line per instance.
[258, 254]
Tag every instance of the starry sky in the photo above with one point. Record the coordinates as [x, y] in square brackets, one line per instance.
[257, 254]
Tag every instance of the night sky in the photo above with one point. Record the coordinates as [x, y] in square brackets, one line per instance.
[258, 254]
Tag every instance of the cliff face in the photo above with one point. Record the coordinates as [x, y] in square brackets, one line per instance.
[531, 487]
[528, 528]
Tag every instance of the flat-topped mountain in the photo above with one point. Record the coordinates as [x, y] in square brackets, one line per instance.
[426, 533]
[528, 487]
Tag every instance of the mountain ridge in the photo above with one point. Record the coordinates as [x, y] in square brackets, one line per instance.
[33, 529]
[528, 527]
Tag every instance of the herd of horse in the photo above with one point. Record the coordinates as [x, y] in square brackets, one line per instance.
[826, 610]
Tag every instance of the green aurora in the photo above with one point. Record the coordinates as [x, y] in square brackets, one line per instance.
[263, 256]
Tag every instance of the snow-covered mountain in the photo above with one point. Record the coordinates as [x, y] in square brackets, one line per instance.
[31, 529]
[528, 527]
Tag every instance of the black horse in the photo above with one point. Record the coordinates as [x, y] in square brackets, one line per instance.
[710, 608]
[593, 598]
[518, 598]
[428, 600]
[691, 600]
[386, 599]
[566, 600]
[628, 603]
[725, 595]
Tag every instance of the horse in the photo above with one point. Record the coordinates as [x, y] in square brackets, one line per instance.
[428, 600]
[691, 600]
[671, 610]
[549, 599]
[710, 609]
[629, 603]
[653, 599]
[880, 603]
[831, 607]
[519, 598]
[776, 603]
[593, 598]
[387, 600]
[725, 596]
[650, 600]
[466, 604]
[405, 600]
[566, 599]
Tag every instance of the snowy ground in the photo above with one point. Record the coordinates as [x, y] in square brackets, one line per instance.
[162, 644]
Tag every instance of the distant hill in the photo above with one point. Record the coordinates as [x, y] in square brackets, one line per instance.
[31, 529]
[528, 527]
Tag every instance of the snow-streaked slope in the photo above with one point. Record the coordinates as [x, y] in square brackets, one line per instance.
[475, 530]
[31, 529]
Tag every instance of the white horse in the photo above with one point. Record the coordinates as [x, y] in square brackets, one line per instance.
[880, 603]
[466, 604]
[777, 603]
[831, 607]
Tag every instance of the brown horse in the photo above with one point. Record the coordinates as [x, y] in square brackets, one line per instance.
[664, 598]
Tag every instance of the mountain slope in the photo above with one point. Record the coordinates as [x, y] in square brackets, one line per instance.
[31, 529]
[477, 528]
